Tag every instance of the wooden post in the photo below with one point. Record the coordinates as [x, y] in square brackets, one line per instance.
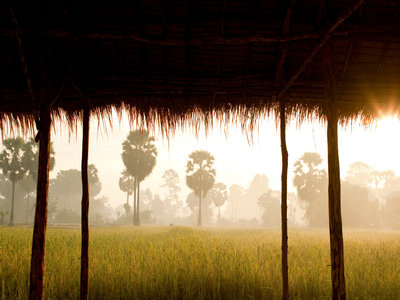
[335, 215]
[84, 288]
[279, 78]
[285, 155]
[39, 230]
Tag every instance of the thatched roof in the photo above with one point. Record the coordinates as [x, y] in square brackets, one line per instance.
[167, 60]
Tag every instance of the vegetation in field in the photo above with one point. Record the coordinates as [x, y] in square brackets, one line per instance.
[186, 263]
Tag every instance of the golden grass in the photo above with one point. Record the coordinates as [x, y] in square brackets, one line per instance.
[189, 263]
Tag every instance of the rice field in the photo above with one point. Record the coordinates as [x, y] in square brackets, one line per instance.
[191, 263]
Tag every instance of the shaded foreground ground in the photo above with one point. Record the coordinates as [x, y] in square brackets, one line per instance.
[186, 263]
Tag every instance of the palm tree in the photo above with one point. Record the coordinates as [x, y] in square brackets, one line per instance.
[11, 165]
[30, 159]
[200, 175]
[139, 157]
[311, 182]
[219, 196]
[126, 184]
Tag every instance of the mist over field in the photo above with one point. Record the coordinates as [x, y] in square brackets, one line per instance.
[243, 191]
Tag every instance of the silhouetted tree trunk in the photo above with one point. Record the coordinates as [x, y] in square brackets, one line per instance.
[335, 215]
[84, 288]
[199, 218]
[126, 210]
[39, 230]
[11, 223]
[138, 200]
[285, 155]
[134, 202]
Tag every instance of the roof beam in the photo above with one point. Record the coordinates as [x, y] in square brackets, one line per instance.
[220, 47]
[325, 37]
[351, 32]
[23, 58]
[318, 19]
[346, 63]
[279, 74]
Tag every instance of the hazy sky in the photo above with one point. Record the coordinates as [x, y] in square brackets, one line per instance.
[236, 161]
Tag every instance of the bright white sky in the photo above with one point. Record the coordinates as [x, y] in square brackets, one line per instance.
[235, 160]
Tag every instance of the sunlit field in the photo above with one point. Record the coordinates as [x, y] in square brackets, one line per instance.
[187, 263]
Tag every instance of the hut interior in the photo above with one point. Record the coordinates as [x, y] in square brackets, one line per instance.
[165, 60]
[170, 63]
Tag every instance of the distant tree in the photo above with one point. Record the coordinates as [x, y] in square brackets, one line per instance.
[192, 201]
[171, 182]
[28, 185]
[235, 196]
[219, 195]
[139, 156]
[66, 188]
[30, 161]
[364, 175]
[2, 215]
[52, 209]
[270, 202]
[310, 180]
[126, 184]
[359, 173]
[30, 158]
[6, 195]
[258, 186]
[94, 181]
[100, 210]
[358, 208]
[12, 166]
[200, 175]
[158, 208]
[249, 208]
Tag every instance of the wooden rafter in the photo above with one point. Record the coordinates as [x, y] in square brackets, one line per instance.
[220, 48]
[165, 48]
[325, 37]
[346, 63]
[380, 63]
[248, 53]
[279, 74]
[188, 46]
[358, 32]
[318, 18]
[23, 60]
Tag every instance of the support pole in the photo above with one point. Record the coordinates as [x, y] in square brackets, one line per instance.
[335, 215]
[279, 78]
[285, 156]
[84, 288]
[39, 230]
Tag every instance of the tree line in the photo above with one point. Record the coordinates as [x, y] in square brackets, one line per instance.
[371, 198]
[19, 163]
